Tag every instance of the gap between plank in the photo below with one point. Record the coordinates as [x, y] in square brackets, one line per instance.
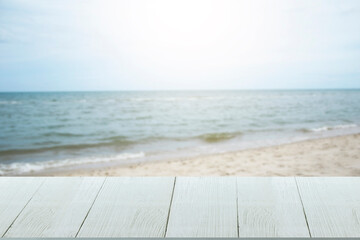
[90, 207]
[303, 208]
[237, 208]
[12, 223]
[171, 200]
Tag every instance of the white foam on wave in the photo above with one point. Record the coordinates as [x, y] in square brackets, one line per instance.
[23, 168]
[329, 128]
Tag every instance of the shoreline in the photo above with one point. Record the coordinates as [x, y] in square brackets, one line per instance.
[331, 156]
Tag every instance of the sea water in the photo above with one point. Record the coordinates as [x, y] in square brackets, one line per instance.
[50, 131]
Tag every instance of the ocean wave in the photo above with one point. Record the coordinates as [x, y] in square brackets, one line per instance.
[56, 126]
[329, 128]
[217, 137]
[143, 117]
[62, 134]
[175, 99]
[116, 139]
[28, 167]
[115, 142]
[9, 102]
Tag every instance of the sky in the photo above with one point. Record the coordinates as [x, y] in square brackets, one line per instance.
[89, 45]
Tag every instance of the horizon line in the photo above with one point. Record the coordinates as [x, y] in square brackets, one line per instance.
[181, 90]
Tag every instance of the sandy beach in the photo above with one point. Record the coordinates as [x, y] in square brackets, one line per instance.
[336, 156]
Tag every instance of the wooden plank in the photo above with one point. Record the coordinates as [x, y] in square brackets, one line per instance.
[203, 207]
[270, 207]
[130, 207]
[332, 205]
[57, 209]
[15, 193]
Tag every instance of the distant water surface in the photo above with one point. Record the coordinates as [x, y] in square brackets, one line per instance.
[52, 131]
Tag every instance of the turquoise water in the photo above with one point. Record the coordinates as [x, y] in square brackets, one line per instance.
[50, 131]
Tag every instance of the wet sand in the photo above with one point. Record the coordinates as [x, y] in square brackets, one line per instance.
[336, 156]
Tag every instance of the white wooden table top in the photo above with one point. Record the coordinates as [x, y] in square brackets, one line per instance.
[179, 207]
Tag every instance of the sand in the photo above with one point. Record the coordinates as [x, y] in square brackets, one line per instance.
[336, 156]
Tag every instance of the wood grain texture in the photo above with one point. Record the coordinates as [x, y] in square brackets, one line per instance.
[332, 205]
[15, 193]
[200, 207]
[130, 207]
[57, 209]
[203, 207]
[270, 207]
